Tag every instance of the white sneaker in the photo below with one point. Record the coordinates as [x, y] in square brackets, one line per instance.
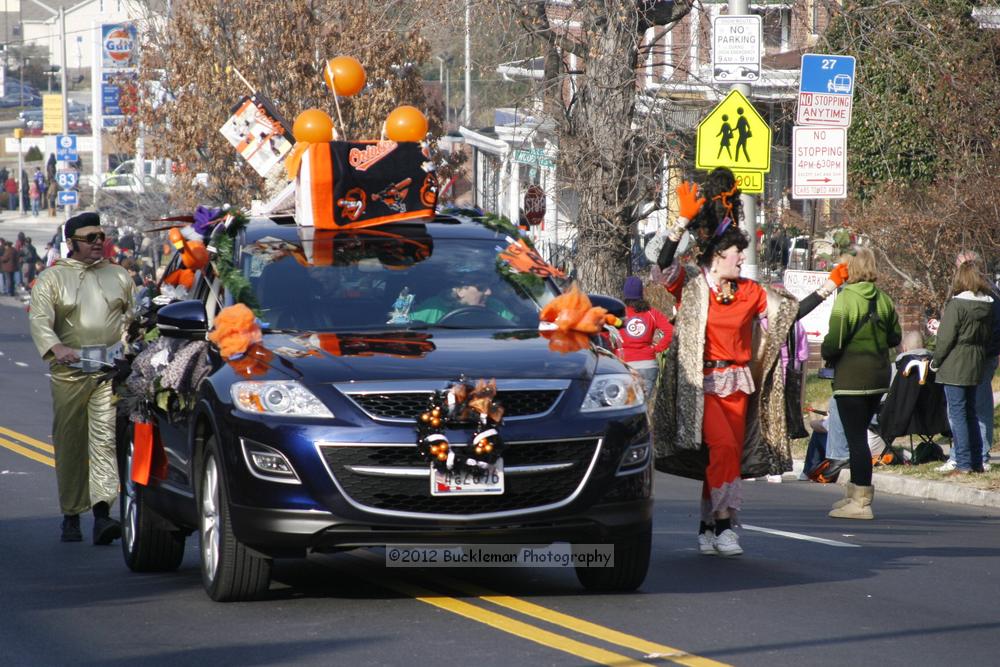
[986, 467]
[728, 543]
[947, 466]
[706, 543]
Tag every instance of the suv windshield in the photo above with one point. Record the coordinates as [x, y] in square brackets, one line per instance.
[379, 280]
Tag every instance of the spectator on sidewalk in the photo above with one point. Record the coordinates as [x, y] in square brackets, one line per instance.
[8, 266]
[959, 357]
[984, 390]
[10, 186]
[34, 196]
[51, 195]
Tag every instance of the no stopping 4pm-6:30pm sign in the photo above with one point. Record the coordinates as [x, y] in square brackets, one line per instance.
[819, 163]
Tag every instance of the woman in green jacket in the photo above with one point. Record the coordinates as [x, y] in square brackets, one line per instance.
[863, 328]
[958, 359]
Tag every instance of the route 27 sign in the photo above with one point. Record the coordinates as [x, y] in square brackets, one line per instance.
[826, 90]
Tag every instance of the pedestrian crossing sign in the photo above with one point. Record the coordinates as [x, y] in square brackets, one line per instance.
[734, 135]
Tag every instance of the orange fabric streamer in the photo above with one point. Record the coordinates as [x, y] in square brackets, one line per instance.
[182, 277]
[235, 330]
[568, 320]
[294, 158]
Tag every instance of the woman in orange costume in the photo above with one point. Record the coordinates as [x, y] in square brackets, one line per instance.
[722, 394]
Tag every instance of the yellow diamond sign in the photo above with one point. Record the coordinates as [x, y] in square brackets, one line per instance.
[734, 135]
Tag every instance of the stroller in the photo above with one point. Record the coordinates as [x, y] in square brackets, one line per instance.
[914, 406]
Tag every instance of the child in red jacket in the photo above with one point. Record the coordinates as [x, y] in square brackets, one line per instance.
[640, 324]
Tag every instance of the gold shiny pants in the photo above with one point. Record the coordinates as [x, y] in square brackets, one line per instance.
[83, 432]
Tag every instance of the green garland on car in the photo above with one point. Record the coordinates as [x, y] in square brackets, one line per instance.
[235, 282]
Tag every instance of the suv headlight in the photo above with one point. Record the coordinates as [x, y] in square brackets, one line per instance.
[614, 391]
[277, 398]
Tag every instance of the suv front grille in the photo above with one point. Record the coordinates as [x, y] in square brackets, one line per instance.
[406, 406]
[411, 494]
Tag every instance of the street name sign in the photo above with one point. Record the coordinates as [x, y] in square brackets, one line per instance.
[734, 135]
[69, 197]
[736, 49]
[66, 148]
[826, 90]
[819, 162]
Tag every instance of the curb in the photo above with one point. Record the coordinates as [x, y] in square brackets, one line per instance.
[928, 489]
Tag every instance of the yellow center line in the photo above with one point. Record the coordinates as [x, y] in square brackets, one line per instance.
[503, 623]
[27, 439]
[30, 453]
[650, 649]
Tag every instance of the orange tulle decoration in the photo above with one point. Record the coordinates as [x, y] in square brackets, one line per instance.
[235, 330]
[180, 277]
[569, 319]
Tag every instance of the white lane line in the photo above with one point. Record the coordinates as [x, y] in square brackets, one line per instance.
[799, 536]
[21, 364]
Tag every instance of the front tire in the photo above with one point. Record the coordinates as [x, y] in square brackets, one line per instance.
[147, 545]
[230, 571]
[631, 564]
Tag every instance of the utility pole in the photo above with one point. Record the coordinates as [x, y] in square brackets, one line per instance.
[468, 63]
[741, 8]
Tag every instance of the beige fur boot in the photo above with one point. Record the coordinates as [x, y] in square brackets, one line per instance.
[858, 506]
[848, 490]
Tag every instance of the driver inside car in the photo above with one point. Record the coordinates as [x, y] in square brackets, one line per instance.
[464, 296]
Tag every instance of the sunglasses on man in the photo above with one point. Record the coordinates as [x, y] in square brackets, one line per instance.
[93, 237]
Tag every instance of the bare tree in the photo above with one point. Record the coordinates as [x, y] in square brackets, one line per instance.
[190, 60]
[614, 140]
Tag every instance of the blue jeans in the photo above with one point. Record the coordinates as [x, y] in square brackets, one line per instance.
[649, 376]
[34, 207]
[984, 405]
[966, 441]
[836, 439]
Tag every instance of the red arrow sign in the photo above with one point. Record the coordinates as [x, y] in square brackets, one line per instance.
[817, 180]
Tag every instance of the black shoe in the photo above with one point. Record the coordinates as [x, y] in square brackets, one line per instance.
[828, 470]
[106, 530]
[71, 528]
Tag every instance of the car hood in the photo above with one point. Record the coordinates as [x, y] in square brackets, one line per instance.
[446, 355]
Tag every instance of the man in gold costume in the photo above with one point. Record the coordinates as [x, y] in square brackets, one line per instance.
[81, 306]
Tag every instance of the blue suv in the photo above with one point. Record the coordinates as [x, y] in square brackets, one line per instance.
[317, 451]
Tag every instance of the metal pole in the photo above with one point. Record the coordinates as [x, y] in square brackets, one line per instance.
[447, 98]
[468, 63]
[742, 8]
[62, 87]
[20, 171]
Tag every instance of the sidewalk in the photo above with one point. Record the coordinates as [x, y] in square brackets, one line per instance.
[951, 491]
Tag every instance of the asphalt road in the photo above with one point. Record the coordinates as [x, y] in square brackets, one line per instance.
[918, 586]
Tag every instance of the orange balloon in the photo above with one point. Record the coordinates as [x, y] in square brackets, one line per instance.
[345, 76]
[313, 126]
[406, 123]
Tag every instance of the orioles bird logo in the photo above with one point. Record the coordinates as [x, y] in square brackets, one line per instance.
[524, 259]
[352, 204]
[429, 191]
[394, 195]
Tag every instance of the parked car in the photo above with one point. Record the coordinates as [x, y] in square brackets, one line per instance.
[317, 452]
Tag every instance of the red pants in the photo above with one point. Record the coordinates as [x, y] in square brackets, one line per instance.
[722, 431]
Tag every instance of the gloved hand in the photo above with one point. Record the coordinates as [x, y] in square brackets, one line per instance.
[690, 203]
[839, 274]
[118, 374]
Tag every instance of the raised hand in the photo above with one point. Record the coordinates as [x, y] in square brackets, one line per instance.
[690, 203]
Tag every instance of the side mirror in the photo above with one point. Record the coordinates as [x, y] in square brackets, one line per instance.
[614, 306]
[183, 319]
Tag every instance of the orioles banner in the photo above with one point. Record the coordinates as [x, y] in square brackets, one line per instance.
[353, 184]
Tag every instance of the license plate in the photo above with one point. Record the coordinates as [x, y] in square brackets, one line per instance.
[468, 482]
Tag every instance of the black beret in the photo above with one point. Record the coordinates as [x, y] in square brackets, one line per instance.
[81, 220]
